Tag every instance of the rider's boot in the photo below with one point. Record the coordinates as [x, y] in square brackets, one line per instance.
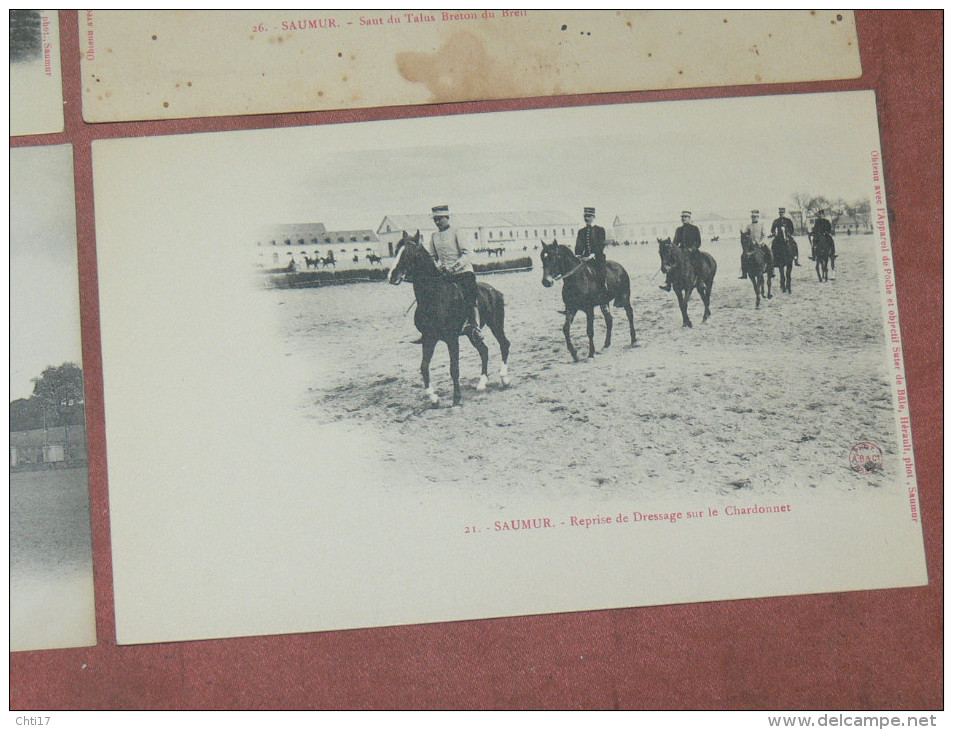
[472, 326]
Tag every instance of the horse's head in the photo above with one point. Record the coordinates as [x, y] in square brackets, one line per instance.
[666, 253]
[557, 261]
[410, 259]
[746, 245]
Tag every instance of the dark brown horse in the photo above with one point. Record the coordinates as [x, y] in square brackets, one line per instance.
[581, 291]
[784, 252]
[823, 255]
[687, 274]
[759, 265]
[441, 313]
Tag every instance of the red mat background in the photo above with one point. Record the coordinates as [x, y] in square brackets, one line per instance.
[862, 651]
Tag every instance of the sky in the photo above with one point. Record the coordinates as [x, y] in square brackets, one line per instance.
[44, 284]
[648, 161]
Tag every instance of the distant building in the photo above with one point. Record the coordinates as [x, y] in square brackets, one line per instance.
[846, 223]
[278, 245]
[512, 231]
[637, 229]
[55, 445]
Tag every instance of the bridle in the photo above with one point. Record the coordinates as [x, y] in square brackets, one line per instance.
[566, 275]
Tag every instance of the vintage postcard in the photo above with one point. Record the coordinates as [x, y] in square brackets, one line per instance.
[269, 300]
[36, 79]
[173, 64]
[51, 562]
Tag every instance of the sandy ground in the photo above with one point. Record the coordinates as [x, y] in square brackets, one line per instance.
[755, 402]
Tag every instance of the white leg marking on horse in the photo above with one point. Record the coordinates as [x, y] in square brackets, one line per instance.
[505, 374]
[481, 385]
[434, 398]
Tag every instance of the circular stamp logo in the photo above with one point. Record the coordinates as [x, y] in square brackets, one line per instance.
[866, 456]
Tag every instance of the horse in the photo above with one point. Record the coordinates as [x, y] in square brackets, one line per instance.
[498, 251]
[823, 250]
[678, 265]
[309, 262]
[328, 261]
[784, 251]
[581, 291]
[374, 258]
[441, 314]
[759, 265]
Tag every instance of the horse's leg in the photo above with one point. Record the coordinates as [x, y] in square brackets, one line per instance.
[484, 351]
[704, 291]
[757, 291]
[789, 267]
[453, 346]
[683, 305]
[429, 345]
[495, 323]
[770, 277]
[591, 330]
[628, 313]
[570, 315]
[607, 315]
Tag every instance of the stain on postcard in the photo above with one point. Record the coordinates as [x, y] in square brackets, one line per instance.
[175, 64]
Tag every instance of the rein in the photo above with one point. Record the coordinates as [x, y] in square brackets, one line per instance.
[560, 277]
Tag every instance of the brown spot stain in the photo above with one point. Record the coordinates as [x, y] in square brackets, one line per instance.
[320, 93]
[353, 57]
[462, 69]
[344, 78]
[757, 77]
[155, 37]
[108, 94]
[189, 83]
[165, 104]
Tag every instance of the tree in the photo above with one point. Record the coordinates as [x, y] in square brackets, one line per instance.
[26, 35]
[60, 389]
[61, 386]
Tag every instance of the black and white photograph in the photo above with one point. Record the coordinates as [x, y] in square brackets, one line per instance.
[51, 562]
[36, 81]
[501, 364]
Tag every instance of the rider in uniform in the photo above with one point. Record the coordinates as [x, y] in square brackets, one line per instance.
[591, 245]
[785, 224]
[688, 238]
[755, 231]
[822, 227]
[450, 251]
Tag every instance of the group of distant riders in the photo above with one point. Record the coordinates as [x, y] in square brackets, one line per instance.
[452, 253]
[784, 226]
